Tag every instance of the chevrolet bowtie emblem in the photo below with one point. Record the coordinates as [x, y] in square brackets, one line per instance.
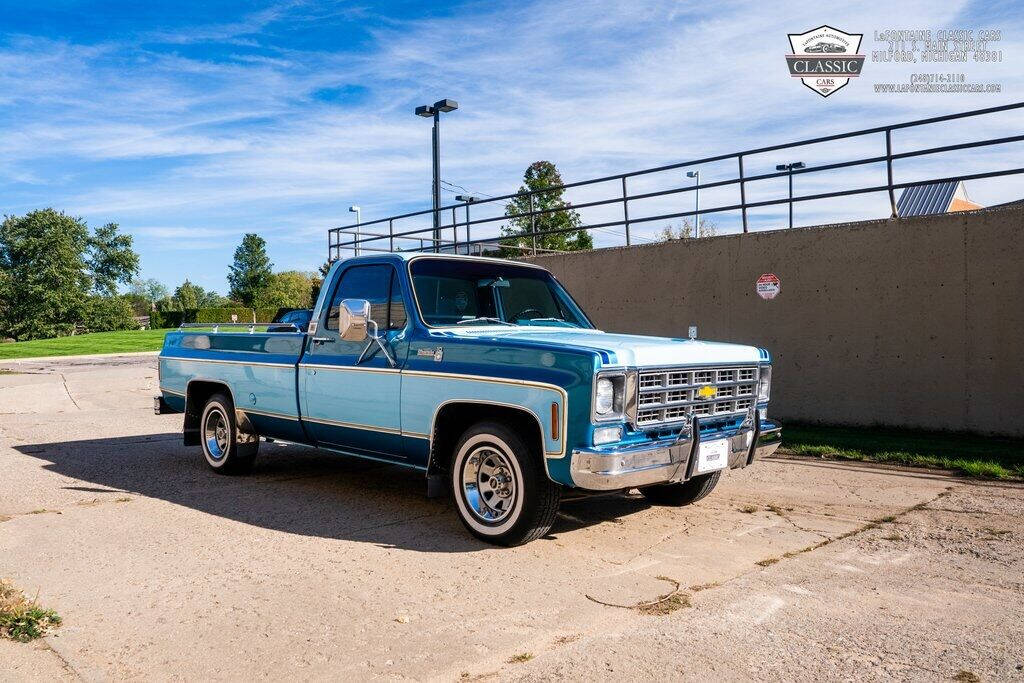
[707, 392]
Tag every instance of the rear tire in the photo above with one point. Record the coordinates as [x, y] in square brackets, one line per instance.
[682, 493]
[226, 449]
[502, 492]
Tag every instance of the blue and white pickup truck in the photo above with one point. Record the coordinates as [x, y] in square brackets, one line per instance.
[485, 375]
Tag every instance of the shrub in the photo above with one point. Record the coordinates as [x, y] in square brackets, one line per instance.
[159, 320]
[221, 315]
[209, 316]
[265, 315]
[109, 313]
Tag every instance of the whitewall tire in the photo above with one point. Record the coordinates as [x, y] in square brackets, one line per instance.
[225, 448]
[501, 491]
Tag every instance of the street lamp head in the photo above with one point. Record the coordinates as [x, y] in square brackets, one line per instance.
[465, 198]
[693, 174]
[424, 111]
[353, 208]
[780, 167]
[798, 164]
[446, 105]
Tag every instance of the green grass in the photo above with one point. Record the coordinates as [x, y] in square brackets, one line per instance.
[975, 456]
[83, 344]
[22, 619]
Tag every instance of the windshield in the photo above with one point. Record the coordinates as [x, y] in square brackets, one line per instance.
[455, 292]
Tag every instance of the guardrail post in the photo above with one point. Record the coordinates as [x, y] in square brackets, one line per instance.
[455, 231]
[533, 226]
[391, 235]
[625, 208]
[743, 193]
[888, 168]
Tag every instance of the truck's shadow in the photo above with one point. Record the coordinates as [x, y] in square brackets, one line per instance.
[293, 489]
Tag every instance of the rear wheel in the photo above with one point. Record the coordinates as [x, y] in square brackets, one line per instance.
[682, 493]
[226, 449]
[502, 493]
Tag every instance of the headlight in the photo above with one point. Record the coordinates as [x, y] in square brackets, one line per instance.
[609, 397]
[765, 383]
[605, 397]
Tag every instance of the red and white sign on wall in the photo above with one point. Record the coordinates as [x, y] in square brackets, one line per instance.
[768, 286]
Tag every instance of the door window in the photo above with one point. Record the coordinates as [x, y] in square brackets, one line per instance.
[396, 311]
[379, 285]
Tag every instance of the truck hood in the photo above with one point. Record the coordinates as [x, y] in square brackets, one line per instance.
[619, 349]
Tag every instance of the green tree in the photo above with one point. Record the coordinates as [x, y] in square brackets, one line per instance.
[188, 295]
[168, 303]
[211, 299]
[317, 281]
[541, 175]
[148, 290]
[250, 273]
[705, 228]
[43, 257]
[289, 289]
[111, 259]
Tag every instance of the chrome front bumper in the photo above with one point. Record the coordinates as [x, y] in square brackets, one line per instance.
[645, 464]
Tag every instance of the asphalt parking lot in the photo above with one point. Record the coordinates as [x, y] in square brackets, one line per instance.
[320, 566]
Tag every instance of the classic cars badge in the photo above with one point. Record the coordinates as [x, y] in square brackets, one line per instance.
[825, 58]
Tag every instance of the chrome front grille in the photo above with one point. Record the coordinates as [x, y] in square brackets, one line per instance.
[668, 395]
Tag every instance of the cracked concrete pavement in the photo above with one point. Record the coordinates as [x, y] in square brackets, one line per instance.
[321, 566]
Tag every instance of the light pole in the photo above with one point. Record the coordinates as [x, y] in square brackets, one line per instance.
[790, 168]
[468, 199]
[696, 201]
[357, 211]
[428, 111]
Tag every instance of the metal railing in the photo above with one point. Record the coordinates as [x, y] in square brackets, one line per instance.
[422, 239]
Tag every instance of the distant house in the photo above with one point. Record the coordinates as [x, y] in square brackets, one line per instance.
[922, 200]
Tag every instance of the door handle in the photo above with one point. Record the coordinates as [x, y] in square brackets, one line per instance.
[323, 340]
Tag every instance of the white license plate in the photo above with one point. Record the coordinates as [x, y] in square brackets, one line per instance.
[712, 455]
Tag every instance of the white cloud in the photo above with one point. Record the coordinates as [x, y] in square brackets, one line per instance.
[138, 132]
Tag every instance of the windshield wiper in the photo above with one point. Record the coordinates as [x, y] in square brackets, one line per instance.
[486, 320]
[552, 320]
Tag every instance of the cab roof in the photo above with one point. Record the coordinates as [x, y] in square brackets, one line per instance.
[413, 255]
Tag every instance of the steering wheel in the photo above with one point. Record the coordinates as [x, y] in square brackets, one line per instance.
[520, 314]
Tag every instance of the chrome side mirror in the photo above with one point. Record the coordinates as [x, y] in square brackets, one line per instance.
[353, 319]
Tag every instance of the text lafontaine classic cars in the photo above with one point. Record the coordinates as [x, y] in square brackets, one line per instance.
[485, 375]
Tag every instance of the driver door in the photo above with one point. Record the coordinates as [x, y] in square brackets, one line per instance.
[350, 405]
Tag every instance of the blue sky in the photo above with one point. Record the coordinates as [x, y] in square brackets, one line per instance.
[191, 123]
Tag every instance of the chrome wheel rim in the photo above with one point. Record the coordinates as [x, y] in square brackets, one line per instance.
[489, 484]
[215, 434]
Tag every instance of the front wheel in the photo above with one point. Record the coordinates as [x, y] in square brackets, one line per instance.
[502, 493]
[226, 449]
[682, 493]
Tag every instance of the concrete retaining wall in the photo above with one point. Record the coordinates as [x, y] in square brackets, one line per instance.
[917, 322]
